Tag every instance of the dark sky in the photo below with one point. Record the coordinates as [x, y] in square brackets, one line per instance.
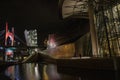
[29, 12]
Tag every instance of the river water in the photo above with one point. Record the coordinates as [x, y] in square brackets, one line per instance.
[38, 71]
[34, 71]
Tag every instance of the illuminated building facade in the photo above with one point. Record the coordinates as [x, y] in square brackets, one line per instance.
[31, 39]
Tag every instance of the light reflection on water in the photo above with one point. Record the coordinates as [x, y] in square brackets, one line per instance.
[32, 71]
[10, 72]
[24, 72]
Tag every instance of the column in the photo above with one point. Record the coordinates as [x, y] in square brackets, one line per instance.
[92, 29]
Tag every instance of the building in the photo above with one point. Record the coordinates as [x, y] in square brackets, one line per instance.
[31, 40]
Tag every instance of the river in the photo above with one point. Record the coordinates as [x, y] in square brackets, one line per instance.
[34, 71]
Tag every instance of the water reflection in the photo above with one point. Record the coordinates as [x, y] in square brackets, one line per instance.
[17, 73]
[52, 73]
[24, 72]
[32, 71]
[10, 72]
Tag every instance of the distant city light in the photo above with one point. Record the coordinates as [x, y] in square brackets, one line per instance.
[1, 48]
[9, 51]
[52, 45]
[51, 41]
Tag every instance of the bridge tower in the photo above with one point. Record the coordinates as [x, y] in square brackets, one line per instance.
[9, 41]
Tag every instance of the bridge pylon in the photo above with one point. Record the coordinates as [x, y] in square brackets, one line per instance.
[9, 41]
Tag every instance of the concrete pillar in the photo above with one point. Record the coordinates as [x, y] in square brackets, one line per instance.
[92, 30]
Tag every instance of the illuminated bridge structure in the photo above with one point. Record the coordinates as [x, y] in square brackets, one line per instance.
[9, 47]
